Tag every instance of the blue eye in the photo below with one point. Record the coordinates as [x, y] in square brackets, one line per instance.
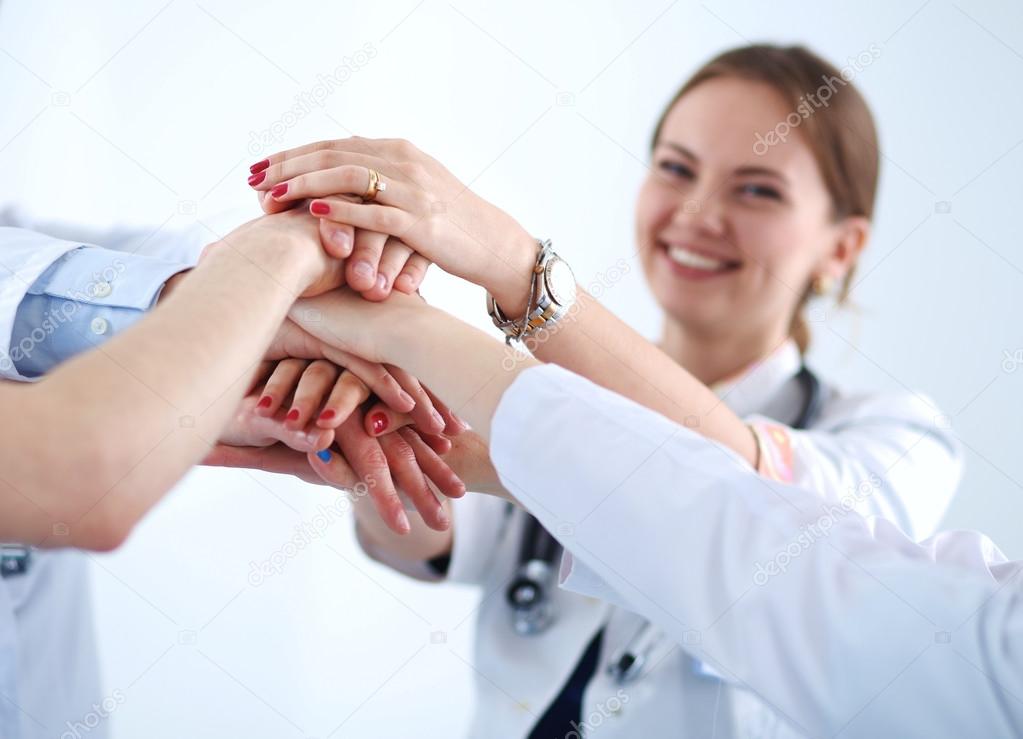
[676, 169]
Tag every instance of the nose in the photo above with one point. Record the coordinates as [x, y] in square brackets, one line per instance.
[701, 209]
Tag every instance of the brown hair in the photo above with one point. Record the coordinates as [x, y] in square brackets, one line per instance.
[841, 134]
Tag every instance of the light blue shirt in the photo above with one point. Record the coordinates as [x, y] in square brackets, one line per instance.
[84, 298]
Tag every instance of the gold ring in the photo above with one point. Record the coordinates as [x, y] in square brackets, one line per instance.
[376, 185]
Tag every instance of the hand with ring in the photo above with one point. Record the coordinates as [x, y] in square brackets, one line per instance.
[415, 199]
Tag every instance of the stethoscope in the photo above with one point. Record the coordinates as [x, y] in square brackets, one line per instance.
[528, 595]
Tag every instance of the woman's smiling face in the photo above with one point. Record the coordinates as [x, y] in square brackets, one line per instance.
[730, 239]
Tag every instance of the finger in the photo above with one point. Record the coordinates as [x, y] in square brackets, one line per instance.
[453, 425]
[365, 456]
[340, 150]
[394, 257]
[348, 394]
[285, 169]
[278, 459]
[261, 375]
[348, 179]
[255, 430]
[437, 442]
[370, 216]
[376, 376]
[410, 480]
[337, 238]
[313, 387]
[380, 420]
[333, 469]
[269, 205]
[426, 416]
[280, 385]
[412, 274]
[361, 268]
[435, 468]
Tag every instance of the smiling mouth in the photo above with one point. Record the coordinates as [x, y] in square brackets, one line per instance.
[699, 262]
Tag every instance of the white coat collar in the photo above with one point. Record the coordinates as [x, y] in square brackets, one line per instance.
[753, 388]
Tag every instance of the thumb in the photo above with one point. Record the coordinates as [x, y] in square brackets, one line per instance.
[337, 238]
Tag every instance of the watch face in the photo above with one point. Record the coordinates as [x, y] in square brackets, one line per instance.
[560, 281]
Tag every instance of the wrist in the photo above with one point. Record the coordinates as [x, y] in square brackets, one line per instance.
[512, 281]
[171, 285]
[282, 259]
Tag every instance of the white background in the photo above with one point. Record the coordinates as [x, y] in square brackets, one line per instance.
[143, 112]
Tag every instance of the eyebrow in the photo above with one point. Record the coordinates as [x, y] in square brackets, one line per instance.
[746, 170]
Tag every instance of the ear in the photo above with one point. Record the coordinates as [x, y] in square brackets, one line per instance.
[851, 236]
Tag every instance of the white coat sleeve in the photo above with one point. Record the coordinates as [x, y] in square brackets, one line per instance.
[893, 454]
[839, 623]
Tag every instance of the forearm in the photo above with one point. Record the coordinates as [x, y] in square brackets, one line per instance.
[139, 411]
[594, 343]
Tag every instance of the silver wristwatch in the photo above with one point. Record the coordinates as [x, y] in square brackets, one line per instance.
[552, 294]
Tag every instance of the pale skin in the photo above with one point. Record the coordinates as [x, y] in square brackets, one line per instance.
[765, 219]
[174, 380]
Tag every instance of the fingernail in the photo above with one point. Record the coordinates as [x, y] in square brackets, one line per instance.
[378, 422]
[403, 522]
[438, 420]
[278, 190]
[265, 401]
[409, 400]
[342, 239]
[327, 414]
[293, 415]
[318, 208]
[442, 518]
[381, 282]
[256, 178]
[407, 283]
[259, 166]
[324, 455]
[364, 270]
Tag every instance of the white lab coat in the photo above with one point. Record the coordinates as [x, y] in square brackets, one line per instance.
[856, 630]
[49, 672]
[887, 442]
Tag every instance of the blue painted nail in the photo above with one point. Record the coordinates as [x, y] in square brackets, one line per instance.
[324, 455]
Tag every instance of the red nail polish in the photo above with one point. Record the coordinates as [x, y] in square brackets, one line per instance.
[256, 178]
[327, 414]
[293, 415]
[319, 209]
[378, 422]
[279, 190]
[259, 166]
[265, 401]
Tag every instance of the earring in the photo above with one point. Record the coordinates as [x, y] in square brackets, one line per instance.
[822, 284]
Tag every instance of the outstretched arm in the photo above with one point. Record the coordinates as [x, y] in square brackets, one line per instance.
[96, 443]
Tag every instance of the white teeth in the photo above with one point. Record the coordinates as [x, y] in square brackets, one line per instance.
[687, 258]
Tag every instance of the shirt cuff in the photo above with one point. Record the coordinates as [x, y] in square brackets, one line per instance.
[774, 449]
[84, 298]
